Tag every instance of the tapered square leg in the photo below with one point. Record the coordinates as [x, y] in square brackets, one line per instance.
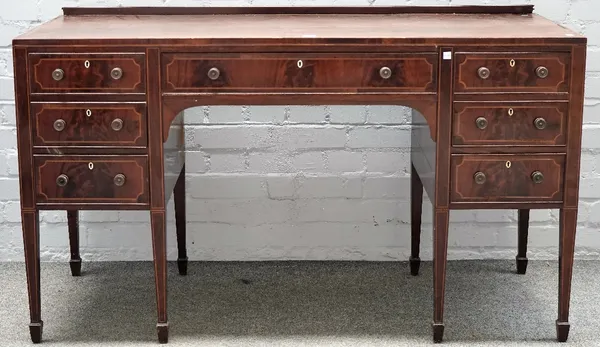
[159, 247]
[36, 331]
[73, 222]
[566, 251]
[158, 218]
[562, 331]
[415, 265]
[31, 241]
[438, 332]
[522, 241]
[182, 266]
[75, 267]
[416, 208]
[163, 332]
[521, 265]
[440, 256]
[180, 222]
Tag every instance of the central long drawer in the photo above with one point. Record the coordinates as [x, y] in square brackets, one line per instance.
[198, 72]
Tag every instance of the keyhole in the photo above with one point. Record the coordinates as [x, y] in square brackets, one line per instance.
[87, 64]
[300, 64]
[91, 166]
[508, 164]
[511, 112]
[512, 63]
[88, 113]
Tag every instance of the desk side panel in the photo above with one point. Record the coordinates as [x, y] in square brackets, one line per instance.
[574, 128]
[23, 128]
[423, 153]
[174, 154]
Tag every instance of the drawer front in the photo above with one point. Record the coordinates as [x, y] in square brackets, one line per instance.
[203, 72]
[88, 73]
[491, 72]
[91, 179]
[510, 124]
[114, 125]
[505, 178]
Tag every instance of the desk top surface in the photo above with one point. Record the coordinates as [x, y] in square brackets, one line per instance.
[270, 23]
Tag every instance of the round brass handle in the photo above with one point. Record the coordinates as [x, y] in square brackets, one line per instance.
[479, 177]
[214, 73]
[542, 72]
[540, 123]
[537, 177]
[484, 73]
[58, 74]
[117, 124]
[59, 125]
[119, 180]
[481, 122]
[385, 72]
[62, 180]
[116, 73]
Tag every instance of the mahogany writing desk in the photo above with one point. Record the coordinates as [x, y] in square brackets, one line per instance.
[497, 94]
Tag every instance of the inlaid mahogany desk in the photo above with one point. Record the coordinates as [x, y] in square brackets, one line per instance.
[497, 94]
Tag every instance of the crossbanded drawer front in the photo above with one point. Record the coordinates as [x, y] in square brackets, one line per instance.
[86, 124]
[506, 178]
[516, 73]
[88, 73]
[185, 72]
[510, 124]
[91, 179]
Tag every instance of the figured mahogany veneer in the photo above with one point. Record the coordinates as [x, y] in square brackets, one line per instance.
[88, 73]
[510, 124]
[513, 72]
[91, 179]
[507, 178]
[85, 124]
[190, 72]
[496, 91]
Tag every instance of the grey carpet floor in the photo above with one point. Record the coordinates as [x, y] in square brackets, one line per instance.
[301, 304]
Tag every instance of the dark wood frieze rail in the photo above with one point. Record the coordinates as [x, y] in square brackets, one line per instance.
[497, 94]
[92, 11]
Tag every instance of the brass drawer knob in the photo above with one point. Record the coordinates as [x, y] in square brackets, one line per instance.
[481, 122]
[540, 123]
[59, 125]
[117, 124]
[214, 73]
[542, 72]
[484, 73]
[385, 72]
[537, 177]
[58, 74]
[116, 73]
[479, 177]
[62, 180]
[119, 180]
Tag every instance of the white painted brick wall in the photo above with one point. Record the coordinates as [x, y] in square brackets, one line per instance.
[280, 182]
